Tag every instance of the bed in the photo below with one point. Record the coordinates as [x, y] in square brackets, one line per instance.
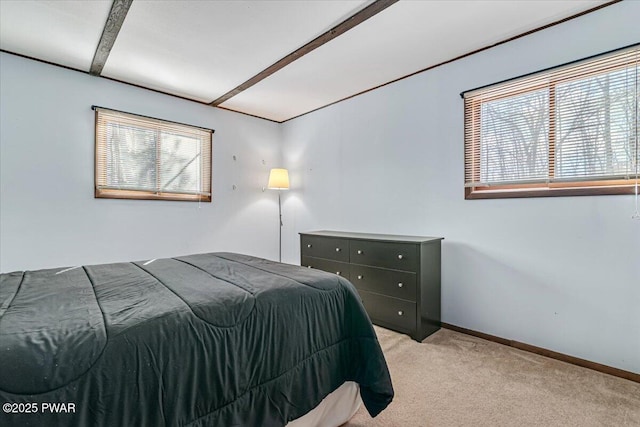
[217, 339]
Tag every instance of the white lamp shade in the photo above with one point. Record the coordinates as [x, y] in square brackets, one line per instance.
[279, 179]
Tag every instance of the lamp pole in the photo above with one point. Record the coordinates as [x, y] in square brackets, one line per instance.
[280, 236]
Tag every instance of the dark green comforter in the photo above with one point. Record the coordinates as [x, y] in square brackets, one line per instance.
[203, 340]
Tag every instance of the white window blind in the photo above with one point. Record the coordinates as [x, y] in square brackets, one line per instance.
[144, 158]
[560, 131]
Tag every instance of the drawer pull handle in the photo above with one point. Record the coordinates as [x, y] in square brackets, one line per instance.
[338, 249]
[400, 256]
[359, 276]
[400, 284]
[400, 313]
[309, 245]
[359, 252]
[338, 273]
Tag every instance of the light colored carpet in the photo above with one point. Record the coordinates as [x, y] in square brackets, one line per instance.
[453, 379]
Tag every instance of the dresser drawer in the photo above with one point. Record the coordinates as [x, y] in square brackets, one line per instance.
[335, 267]
[325, 247]
[399, 256]
[391, 312]
[398, 284]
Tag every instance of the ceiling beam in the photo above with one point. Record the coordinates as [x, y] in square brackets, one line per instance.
[118, 12]
[354, 20]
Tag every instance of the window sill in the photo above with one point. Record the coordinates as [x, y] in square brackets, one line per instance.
[145, 195]
[564, 191]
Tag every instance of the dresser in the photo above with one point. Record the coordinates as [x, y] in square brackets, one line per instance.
[397, 277]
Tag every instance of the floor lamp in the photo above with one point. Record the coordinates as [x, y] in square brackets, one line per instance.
[279, 180]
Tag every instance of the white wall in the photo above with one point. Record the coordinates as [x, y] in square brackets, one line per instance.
[48, 215]
[560, 273]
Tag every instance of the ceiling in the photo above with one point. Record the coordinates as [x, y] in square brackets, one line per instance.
[223, 52]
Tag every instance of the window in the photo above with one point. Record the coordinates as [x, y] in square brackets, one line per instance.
[139, 157]
[570, 130]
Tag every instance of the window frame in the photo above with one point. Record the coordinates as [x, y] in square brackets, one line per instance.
[101, 191]
[472, 133]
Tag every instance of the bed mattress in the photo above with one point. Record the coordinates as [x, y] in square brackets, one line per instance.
[215, 339]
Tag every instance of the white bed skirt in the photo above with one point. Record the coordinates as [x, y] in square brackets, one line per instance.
[334, 410]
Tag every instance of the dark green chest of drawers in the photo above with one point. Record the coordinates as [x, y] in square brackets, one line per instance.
[397, 277]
